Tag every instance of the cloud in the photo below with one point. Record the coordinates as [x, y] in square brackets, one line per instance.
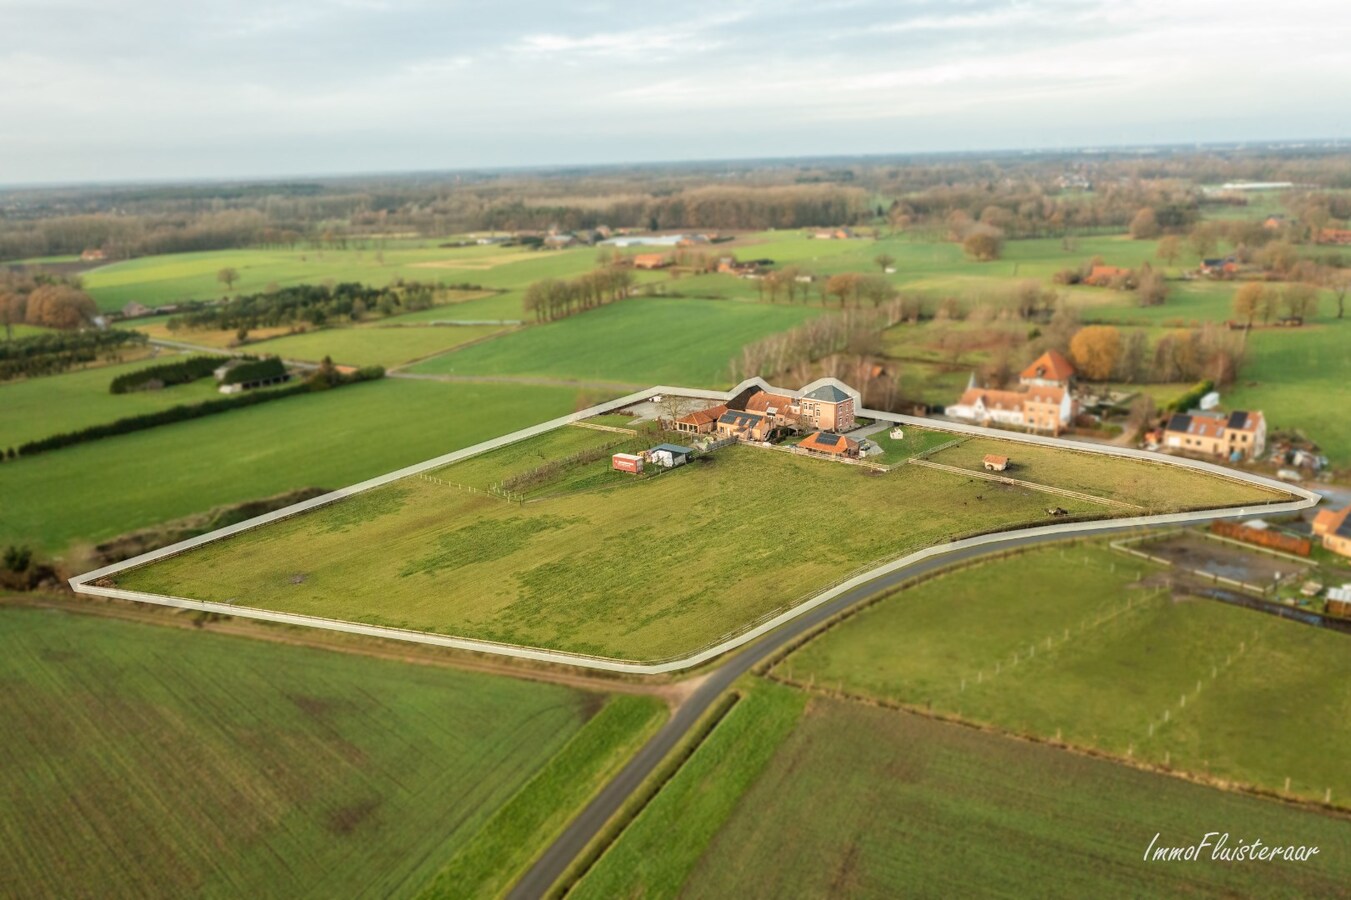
[230, 87]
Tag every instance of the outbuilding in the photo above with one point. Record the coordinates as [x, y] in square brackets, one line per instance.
[996, 463]
[668, 456]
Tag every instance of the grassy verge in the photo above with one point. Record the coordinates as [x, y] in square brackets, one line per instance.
[503, 849]
[657, 852]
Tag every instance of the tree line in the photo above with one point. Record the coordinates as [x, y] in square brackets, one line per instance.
[312, 304]
[324, 378]
[55, 352]
[166, 374]
[558, 298]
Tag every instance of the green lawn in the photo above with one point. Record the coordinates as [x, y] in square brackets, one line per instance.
[1154, 486]
[374, 345]
[738, 535]
[143, 761]
[868, 802]
[642, 341]
[98, 490]
[1132, 652]
[40, 407]
[916, 442]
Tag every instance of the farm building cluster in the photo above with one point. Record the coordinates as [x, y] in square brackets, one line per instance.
[758, 416]
[667, 456]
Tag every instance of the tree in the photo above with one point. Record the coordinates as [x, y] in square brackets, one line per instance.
[1150, 287]
[1300, 300]
[59, 306]
[1095, 349]
[11, 312]
[228, 276]
[884, 261]
[1338, 281]
[1250, 301]
[983, 244]
[1279, 256]
[1169, 249]
[1203, 239]
[1145, 225]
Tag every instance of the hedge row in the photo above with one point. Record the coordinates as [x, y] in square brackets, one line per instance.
[190, 411]
[51, 354]
[1192, 398]
[256, 370]
[167, 374]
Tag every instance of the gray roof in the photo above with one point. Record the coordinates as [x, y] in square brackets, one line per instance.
[674, 448]
[829, 392]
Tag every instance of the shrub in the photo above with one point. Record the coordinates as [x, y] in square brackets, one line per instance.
[172, 373]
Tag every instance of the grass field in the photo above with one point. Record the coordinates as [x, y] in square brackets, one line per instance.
[98, 490]
[499, 854]
[658, 850]
[868, 802]
[146, 761]
[632, 568]
[916, 442]
[40, 407]
[1132, 652]
[155, 280]
[644, 341]
[375, 345]
[1154, 486]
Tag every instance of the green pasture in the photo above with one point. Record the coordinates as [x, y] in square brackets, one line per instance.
[869, 802]
[1089, 645]
[143, 761]
[41, 407]
[640, 341]
[156, 280]
[98, 490]
[386, 345]
[575, 570]
[1154, 486]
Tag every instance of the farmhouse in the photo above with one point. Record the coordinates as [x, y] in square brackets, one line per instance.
[833, 234]
[1233, 436]
[745, 426]
[830, 444]
[651, 261]
[1334, 527]
[1105, 276]
[1051, 369]
[827, 408]
[560, 241]
[1219, 267]
[134, 309]
[1335, 236]
[668, 456]
[704, 421]
[93, 254]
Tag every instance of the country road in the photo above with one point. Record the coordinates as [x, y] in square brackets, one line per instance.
[569, 845]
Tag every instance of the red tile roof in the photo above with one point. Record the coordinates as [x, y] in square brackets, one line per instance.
[827, 442]
[704, 416]
[1051, 365]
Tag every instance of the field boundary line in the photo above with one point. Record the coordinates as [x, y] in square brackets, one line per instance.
[1018, 482]
[86, 583]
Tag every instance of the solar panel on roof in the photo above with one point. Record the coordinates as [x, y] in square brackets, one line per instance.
[1237, 419]
[830, 440]
[1344, 529]
[1179, 423]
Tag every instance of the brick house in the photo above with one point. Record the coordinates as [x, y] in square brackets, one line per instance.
[1233, 436]
[827, 408]
[704, 421]
[742, 425]
[1051, 369]
[651, 261]
[1041, 408]
[1334, 527]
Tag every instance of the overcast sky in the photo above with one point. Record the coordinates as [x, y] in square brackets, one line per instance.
[225, 88]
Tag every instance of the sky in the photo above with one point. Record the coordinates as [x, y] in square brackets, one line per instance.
[166, 89]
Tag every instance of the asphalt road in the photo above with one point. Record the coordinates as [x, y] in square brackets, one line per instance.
[579, 833]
